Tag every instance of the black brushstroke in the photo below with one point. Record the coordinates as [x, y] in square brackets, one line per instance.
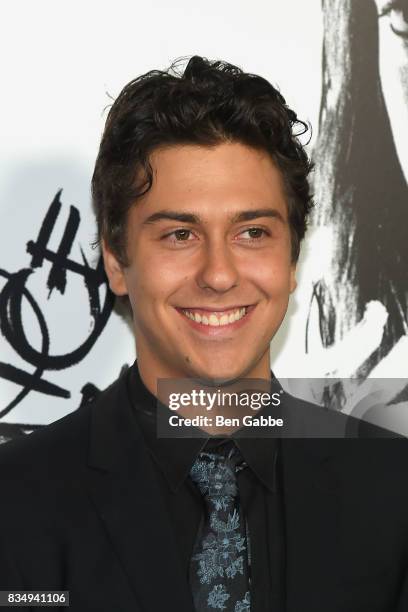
[15, 291]
[89, 393]
[360, 188]
[58, 274]
[18, 376]
[46, 228]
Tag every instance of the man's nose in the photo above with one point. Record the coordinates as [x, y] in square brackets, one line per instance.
[218, 269]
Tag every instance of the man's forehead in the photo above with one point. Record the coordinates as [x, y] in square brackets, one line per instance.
[197, 166]
[226, 181]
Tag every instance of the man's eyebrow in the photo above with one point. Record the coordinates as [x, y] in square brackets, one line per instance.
[183, 217]
[172, 216]
[249, 215]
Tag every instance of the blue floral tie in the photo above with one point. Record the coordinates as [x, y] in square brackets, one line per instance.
[219, 564]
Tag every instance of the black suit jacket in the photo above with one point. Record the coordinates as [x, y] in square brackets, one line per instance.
[80, 510]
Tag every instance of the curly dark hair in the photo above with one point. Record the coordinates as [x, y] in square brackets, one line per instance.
[209, 103]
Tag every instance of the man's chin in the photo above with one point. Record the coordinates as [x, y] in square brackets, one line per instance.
[219, 377]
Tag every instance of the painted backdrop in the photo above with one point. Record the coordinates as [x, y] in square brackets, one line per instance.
[343, 66]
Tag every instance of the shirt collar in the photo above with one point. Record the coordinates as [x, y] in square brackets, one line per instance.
[175, 456]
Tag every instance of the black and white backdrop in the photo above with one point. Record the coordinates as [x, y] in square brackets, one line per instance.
[343, 66]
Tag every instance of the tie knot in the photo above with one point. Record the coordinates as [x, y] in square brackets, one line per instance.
[215, 472]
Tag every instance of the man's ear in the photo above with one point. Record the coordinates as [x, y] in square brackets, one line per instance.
[114, 271]
[292, 280]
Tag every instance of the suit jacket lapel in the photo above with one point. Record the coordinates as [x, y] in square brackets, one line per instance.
[123, 487]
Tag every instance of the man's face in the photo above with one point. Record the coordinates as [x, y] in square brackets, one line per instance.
[210, 241]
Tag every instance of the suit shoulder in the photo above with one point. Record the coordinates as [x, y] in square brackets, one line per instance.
[360, 444]
[64, 441]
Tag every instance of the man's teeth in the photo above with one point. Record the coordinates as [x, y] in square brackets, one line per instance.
[216, 319]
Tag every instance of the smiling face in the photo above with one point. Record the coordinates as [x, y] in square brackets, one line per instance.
[210, 269]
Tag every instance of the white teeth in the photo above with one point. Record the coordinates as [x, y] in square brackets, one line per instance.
[216, 319]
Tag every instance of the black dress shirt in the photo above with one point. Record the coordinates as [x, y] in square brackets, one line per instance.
[259, 488]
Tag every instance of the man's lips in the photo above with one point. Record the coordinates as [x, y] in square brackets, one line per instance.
[213, 308]
[216, 321]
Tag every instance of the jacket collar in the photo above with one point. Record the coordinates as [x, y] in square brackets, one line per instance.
[175, 456]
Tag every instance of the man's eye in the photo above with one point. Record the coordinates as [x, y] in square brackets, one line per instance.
[179, 235]
[255, 233]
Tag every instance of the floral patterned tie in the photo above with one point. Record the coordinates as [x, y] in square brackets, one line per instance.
[219, 564]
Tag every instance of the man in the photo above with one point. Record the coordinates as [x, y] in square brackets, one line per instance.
[201, 194]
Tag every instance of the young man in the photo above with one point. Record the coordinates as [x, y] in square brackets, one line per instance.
[201, 194]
